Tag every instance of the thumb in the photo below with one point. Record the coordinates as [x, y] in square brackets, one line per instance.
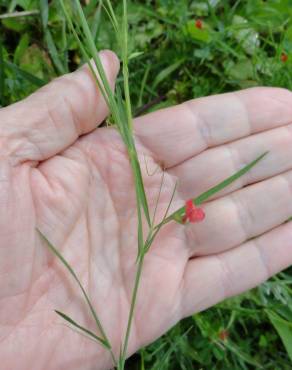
[52, 118]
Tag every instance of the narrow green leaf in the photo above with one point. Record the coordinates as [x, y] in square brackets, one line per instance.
[158, 198]
[140, 232]
[140, 185]
[90, 333]
[284, 329]
[241, 354]
[93, 50]
[209, 193]
[44, 7]
[89, 41]
[24, 74]
[54, 52]
[157, 229]
[12, 6]
[72, 272]
[1, 74]
[112, 15]
[203, 197]
[95, 24]
[166, 72]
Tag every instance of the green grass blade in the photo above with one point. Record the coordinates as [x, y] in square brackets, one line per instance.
[89, 41]
[140, 233]
[90, 333]
[284, 329]
[83, 51]
[1, 74]
[24, 74]
[166, 72]
[112, 15]
[54, 52]
[139, 185]
[44, 8]
[93, 50]
[96, 24]
[72, 272]
[209, 193]
[157, 200]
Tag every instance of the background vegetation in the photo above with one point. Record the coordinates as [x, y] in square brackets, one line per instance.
[179, 50]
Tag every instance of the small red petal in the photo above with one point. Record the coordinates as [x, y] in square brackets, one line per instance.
[284, 57]
[189, 204]
[199, 24]
[189, 207]
[197, 215]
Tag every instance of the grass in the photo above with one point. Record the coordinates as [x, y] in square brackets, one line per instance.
[240, 46]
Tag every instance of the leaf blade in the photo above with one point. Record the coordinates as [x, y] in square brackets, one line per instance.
[72, 272]
[284, 330]
[82, 328]
[215, 189]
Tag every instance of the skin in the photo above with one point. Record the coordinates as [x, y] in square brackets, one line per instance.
[71, 180]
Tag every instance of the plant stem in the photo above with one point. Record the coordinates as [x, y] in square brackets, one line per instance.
[131, 312]
[19, 14]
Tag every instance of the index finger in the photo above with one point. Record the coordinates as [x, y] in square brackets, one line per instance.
[176, 134]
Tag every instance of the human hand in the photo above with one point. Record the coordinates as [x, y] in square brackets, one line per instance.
[78, 190]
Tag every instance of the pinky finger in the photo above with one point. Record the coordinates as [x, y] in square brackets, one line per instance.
[209, 280]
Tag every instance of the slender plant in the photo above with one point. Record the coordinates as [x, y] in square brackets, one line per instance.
[119, 104]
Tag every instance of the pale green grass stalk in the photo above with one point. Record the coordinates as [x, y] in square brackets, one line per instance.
[26, 13]
[121, 111]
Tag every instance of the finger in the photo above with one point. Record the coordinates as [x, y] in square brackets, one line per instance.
[209, 280]
[204, 171]
[51, 119]
[242, 215]
[178, 133]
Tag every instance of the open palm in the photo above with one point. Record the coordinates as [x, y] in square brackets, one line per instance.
[78, 190]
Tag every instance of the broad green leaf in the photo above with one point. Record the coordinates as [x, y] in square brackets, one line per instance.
[14, 24]
[203, 34]
[245, 34]
[21, 48]
[243, 70]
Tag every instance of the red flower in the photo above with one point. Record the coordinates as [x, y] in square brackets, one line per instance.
[284, 57]
[193, 214]
[199, 24]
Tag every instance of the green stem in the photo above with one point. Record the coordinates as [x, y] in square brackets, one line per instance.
[19, 14]
[131, 313]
